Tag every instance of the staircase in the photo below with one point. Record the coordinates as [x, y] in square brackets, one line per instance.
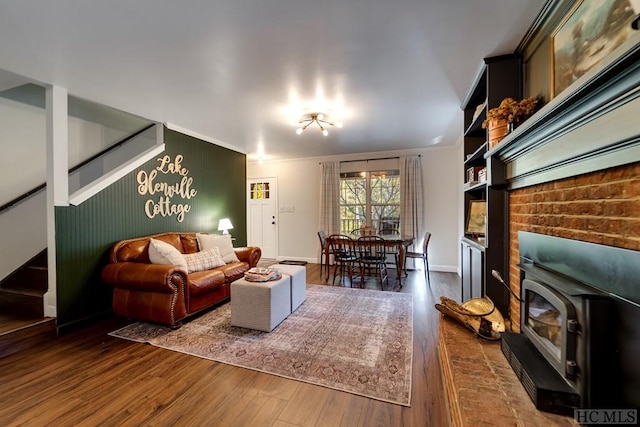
[22, 321]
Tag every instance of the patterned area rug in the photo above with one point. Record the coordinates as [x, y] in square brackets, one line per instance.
[355, 340]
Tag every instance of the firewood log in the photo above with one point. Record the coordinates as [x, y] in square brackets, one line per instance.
[479, 324]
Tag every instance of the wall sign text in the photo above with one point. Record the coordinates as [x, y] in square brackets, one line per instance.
[160, 186]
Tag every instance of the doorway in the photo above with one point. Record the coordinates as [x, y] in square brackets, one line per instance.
[262, 223]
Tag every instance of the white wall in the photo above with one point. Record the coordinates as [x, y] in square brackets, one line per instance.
[23, 167]
[24, 232]
[442, 188]
[460, 186]
[298, 183]
[299, 186]
[22, 138]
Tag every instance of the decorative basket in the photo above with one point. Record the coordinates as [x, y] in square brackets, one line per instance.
[367, 231]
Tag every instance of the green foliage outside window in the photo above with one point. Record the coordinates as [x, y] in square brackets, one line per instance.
[366, 197]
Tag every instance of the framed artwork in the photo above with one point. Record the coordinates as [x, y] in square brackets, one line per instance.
[590, 31]
[477, 217]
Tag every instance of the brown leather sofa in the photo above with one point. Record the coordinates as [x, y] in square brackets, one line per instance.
[166, 294]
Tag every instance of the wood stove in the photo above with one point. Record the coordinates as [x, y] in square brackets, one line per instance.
[569, 354]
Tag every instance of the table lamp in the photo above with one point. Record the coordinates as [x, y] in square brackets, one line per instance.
[225, 225]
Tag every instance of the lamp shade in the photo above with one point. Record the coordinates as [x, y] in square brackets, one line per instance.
[225, 225]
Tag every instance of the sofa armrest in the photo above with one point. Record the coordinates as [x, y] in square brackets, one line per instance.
[145, 277]
[249, 254]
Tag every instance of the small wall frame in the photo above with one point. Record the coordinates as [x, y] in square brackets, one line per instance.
[477, 217]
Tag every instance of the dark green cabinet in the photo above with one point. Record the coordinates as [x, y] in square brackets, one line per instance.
[472, 270]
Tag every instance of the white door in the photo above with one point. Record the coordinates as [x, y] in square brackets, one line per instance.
[261, 216]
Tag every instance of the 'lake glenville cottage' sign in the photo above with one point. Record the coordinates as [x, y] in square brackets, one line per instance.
[164, 206]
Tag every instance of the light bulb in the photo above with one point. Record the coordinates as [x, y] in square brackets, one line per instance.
[339, 124]
[320, 116]
[324, 132]
[299, 131]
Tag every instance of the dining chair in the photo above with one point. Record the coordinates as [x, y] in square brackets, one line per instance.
[388, 228]
[424, 256]
[344, 256]
[389, 225]
[325, 252]
[372, 257]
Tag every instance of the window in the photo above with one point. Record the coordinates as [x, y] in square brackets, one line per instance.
[259, 190]
[369, 198]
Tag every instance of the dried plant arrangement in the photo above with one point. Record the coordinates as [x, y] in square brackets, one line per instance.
[511, 111]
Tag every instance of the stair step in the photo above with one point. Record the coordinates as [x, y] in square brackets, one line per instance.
[22, 291]
[34, 278]
[26, 335]
[21, 303]
[39, 260]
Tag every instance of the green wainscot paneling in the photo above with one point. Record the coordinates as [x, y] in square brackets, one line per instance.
[188, 188]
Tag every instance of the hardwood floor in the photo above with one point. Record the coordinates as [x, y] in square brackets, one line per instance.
[87, 378]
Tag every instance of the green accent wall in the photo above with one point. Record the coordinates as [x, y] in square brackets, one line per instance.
[85, 233]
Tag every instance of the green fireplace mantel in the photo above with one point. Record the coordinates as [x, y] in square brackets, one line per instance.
[592, 125]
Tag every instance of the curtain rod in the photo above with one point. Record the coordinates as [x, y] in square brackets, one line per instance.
[366, 160]
[379, 158]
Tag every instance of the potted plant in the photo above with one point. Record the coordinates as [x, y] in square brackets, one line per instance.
[505, 117]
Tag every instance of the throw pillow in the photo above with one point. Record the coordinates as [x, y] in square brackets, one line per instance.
[163, 253]
[223, 242]
[204, 260]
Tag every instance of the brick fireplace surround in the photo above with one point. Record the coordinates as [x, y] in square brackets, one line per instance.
[599, 207]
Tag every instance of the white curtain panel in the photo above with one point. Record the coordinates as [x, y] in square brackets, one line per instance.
[330, 197]
[411, 199]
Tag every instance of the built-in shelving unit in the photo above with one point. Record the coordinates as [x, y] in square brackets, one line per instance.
[486, 250]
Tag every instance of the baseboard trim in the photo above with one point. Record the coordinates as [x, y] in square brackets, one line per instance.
[85, 321]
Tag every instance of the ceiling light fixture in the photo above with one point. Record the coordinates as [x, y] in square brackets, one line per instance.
[320, 119]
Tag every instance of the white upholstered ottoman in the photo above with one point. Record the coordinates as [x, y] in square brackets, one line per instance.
[298, 283]
[260, 305]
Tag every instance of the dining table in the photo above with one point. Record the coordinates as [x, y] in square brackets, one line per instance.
[392, 240]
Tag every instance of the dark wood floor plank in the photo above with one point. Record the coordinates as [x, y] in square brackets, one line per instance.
[305, 407]
[342, 410]
[89, 378]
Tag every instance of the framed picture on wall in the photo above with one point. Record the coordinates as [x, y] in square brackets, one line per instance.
[477, 217]
[590, 31]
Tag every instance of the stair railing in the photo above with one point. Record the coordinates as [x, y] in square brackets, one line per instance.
[107, 150]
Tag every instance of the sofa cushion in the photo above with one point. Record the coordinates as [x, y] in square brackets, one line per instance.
[203, 282]
[203, 260]
[223, 242]
[189, 243]
[133, 251]
[234, 270]
[171, 238]
[163, 253]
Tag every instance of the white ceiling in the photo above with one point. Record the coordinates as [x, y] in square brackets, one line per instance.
[234, 71]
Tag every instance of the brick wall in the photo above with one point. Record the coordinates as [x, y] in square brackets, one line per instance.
[600, 207]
